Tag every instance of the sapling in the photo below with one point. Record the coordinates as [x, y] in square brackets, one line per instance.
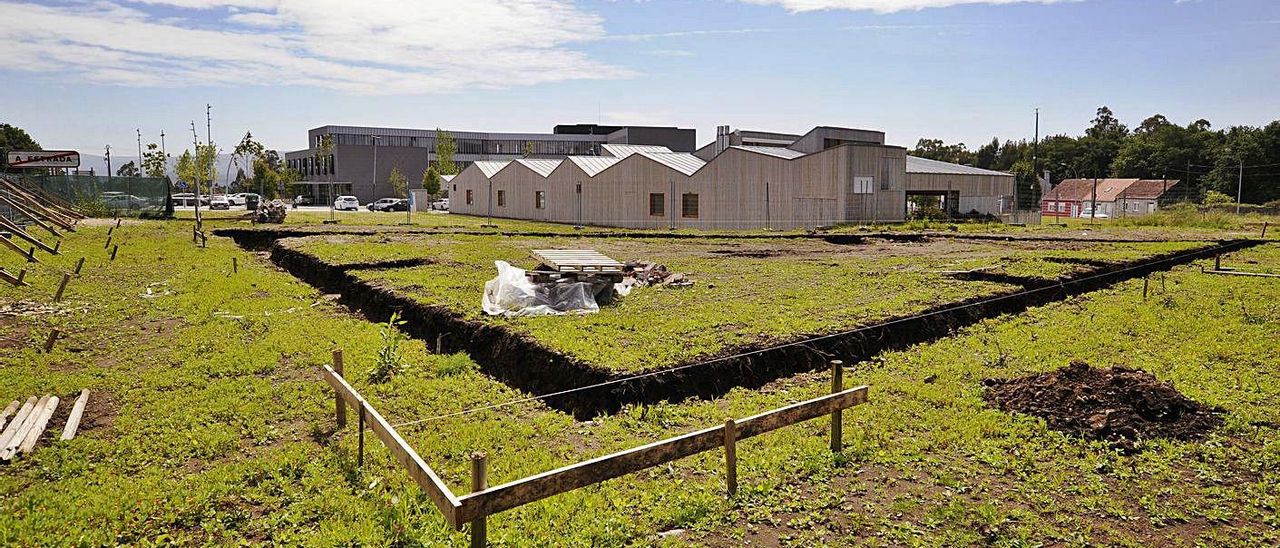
[390, 361]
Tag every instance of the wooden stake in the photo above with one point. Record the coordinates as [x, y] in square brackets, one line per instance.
[110, 230]
[235, 265]
[360, 438]
[53, 338]
[114, 249]
[337, 398]
[21, 417]
[31, 255]
[22, 274]
[1146, 281]
[79, 265]
[56, 246]
[20, 435]
[108, 244]
[1264, 228]
[1217, 262]
[4, 415]
[62, 286]
[439, 343]
[38, 428]
[731, 456]
[479, 482]
[837, 416]
[77, 412]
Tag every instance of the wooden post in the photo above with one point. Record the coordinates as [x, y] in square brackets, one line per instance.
[731, 456]
[31, 255]
[77, 412]
[235, 265]
[108, 244]
[114, 249]
[337, 398]
[479, 482]
[360, 443]
[1146, 281]
[79, 265]
[1217, 262]
[837, 416]
[118, 219]
[1264, 228]
[439, 343]
[21, 274]
[53, 338]
[62, 287]
[110, 230]
[56, 246]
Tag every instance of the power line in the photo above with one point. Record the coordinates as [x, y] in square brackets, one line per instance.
[802, 343]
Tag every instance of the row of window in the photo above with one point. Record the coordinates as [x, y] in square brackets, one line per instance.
[312, 166]
[474, 146]
[657, 202]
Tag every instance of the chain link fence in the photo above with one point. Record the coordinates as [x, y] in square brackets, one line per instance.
[99, 196]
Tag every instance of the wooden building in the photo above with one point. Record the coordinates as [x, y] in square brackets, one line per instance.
[826, 177]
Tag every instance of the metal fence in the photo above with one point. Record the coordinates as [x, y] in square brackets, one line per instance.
[112, 196]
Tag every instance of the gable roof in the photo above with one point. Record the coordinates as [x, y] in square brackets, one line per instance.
[541, 167]
[1149, 189]
[777, 152]
[1081, 190]
[594, 164]
[925, 165]
[683, 162]
[489, 167]
[622, 151]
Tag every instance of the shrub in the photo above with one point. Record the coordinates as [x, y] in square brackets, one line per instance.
[390, 361]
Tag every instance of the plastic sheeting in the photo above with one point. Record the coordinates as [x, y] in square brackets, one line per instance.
[511, 294]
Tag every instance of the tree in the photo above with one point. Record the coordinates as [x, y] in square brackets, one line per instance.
[14, 138]
[154, 162]
[431, 182]
[935, 149]
[246, 154]
[527, 151]
[199, 168]
[446, 147]
[128, 170]
[399, 183]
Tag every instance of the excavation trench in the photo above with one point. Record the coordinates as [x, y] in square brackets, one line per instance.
[523, 363]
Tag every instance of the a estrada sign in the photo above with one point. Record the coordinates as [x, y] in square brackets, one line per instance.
[45, 158]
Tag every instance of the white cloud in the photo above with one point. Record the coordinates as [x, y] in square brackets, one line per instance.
[403, 46]
[885, 6]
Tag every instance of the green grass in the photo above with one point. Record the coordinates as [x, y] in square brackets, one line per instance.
[218, 429]
[780, 291]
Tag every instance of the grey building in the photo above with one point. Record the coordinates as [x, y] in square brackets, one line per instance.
[350, 169]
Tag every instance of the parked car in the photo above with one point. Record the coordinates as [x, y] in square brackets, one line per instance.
[241, 198]
[183, 199]
[345, 203]
[390, 204]
[1089, 214]
[301, 200]
[219, 202]
[441, 204]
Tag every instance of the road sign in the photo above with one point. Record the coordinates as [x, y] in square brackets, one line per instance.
[45, 158]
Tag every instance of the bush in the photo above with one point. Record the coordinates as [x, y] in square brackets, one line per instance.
[390, 361]
[1214, 197]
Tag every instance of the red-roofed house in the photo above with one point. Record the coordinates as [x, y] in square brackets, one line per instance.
[1113, 197]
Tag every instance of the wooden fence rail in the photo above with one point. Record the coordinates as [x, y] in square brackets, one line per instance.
[485, 501]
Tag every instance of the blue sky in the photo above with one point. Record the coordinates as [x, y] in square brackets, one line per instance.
[84, 74]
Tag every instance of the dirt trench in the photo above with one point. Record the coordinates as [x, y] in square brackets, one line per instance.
[521, 362]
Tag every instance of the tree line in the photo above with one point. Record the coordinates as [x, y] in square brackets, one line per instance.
[1204, 159]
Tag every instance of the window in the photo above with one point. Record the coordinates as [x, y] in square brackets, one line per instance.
[689, 205]
[469, 197]
[657, 205]
[863, 185]
[540, 199]
[1062, 206]
[502, 198]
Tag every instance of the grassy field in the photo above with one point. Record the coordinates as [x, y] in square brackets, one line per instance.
[209, 425]
[747, 294]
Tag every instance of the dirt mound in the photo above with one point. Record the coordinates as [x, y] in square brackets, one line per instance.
[1118, 405]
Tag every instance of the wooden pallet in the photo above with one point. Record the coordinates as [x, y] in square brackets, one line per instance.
[587, 261]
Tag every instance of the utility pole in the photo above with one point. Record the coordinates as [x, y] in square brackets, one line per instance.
[1240, 186]
[108, 161]
[164, 155]
[139, 130]
[1093, 199]
[1035, 149]
[208, 133]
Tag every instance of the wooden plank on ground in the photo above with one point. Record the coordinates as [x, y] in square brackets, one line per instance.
[10, 410]
[77, 413]
[540, 486]
[8, 449]
[418, 469]
[12, 430]
[7, 243]
[38, 428]
[1242, 273]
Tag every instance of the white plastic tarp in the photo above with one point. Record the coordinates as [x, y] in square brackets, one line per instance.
[511, 294]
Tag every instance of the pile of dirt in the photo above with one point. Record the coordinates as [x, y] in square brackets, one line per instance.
[1117, 405]
[651, 274]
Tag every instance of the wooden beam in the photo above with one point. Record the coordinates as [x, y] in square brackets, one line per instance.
[15, 280]
[36, 217]
[6, 242]
[12, 429]
[53, 201]
[77, 412]
[4, 415]
[8, 449]
[1242, 273]
[19, 232]
[562, 480]
[418, 470]
[37, 430]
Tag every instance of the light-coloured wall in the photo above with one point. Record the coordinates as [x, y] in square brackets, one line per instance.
[987, 194]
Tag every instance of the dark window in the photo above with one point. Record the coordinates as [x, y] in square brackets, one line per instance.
[657, 205]
[469, 197]
[455, 188]
[502, 198]
[689, 205]
[540, 199]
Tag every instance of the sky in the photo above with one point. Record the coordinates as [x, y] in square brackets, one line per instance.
[84, 74]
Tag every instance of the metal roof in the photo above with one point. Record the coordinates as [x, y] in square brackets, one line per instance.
[622, 151]
[488, 168]
[447, 178]
[777, 152]
[925, 165]
[541, 167]
[594, 164]
[683, 162]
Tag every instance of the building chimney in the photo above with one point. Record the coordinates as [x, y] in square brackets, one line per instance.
[722, 139]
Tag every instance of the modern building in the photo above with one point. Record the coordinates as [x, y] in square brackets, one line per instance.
[350, 169]
[744, 179]
[1110, 197]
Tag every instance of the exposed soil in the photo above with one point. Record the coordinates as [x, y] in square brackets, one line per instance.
[521, 362]
[1121, 406]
